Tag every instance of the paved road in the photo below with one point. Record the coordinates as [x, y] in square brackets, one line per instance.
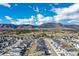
[48, 42]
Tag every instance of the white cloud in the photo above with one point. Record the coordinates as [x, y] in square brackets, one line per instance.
[24, 21]
[74, 22]
[8, 17]
[40, 20]
[5, 4]
[40, 16]
[46, 19]
[71, 9]
[0, 19]
[69, 14]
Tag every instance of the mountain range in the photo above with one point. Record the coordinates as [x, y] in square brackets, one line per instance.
[45, 25]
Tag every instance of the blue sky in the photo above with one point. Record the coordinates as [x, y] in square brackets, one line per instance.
[39, 13]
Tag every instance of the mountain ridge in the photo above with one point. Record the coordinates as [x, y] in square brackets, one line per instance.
[45, 25]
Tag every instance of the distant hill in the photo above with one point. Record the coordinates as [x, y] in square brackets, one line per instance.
[45, 25]
[58, 25]
[50, 25]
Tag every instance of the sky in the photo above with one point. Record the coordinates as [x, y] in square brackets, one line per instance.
[39, 13]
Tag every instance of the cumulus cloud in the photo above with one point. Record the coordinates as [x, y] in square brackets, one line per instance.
[71, 9]
[40, 16]
[5, 4]
[69, 14]
[24, 21]
[40, 20]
